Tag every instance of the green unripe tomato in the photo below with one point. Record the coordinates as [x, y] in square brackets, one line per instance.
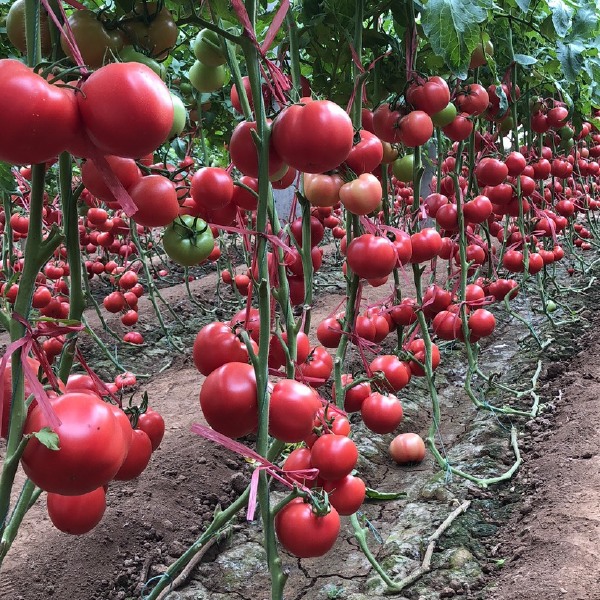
[179, 116]
[207, 48]
[129, 54]
[188, 240]
[207, 79]
[403, 168]
[565, 132]
[567, 144]
[506, 125]
[550, 306]
[445, 116]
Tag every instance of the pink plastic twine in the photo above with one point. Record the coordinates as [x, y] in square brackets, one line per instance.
[29, 343]
[284, 477]
[278, 83]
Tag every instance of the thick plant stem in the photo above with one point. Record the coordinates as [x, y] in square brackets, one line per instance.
[29, 494]
[278, 577]
[71, 231]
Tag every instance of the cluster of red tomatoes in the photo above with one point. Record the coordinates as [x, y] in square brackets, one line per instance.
[96, 445]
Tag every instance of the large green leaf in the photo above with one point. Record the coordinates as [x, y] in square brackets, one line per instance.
[571, 59]
[585, 22]
[523, 5]
[562, 16]
[7, 179]
[452, 28]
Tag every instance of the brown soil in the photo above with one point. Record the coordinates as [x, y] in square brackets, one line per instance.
[551, 547]
[549, 551]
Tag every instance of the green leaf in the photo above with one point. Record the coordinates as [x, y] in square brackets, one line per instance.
[7, 179]
[571, 59]
[523, 5]
[372, 494]
[562, 16]
[48, 438]
[525, 60]
[452, 28]
[585, 22]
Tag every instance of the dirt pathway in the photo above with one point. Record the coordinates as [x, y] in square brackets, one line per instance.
[552, 546]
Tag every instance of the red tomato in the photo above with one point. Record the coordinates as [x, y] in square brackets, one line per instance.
[277, 355]
[92, 446]
[481, 322]
[76, 514]
[322, 190]
[355, 396]
[228, 399]
[7, 393]
[371, 257]
[381, 413]
[137, 458]
[334, 455]
[459, 129]
[417, 349]
[313, 137]
[317, 368]
[329, 332]
[415, 129]
[125, 170]
[292, 410]
[366, 155]
[299, 460]
[347, 494]
[154, 425]
[126, 108]
[473, 100]
[251, 324]
[407, 448]
[432, 96]
[49, 114]
[156, 200]
[425, 245]
[385, 123]
[242, 197]
[244, 153]
[212, 188]
[216, 345]
[304, 534]
[397, 374]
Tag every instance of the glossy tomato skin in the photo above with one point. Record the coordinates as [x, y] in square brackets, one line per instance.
[347, 494]
[212, 187]
[125, 169]
[188, 240]
[76, 515]
[371, 256]
[367, 154]
[156, 200]
[313, 137]
[92, 446]
[334, 455]
[37, 120]
[304, 534]
[154, 425]
[127, 109]
[228, 399]
[381, 413]
[397, 373]
[137, 458]
[292, 409]
[317, 368]
[215, 345]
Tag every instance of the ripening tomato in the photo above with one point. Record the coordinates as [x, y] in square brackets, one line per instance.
[322, 190]
[92, 446]
[417, 349]
[228, 399]
[137, 458]
[49, 114]
[407, 448]
[361, 196]
[212, 187]
[371, 256]
[415, 129]
[317, 368]
[292, 409]
[314, 136]
[127, 109]
[79, 514]
[381, 413]
[156, 200]
[396, 373]
[347, 494]
[431, 96]
[366, 155]
[473, 99]
[425, 245]
[303, 533]
[151, 27]
[334, 455]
